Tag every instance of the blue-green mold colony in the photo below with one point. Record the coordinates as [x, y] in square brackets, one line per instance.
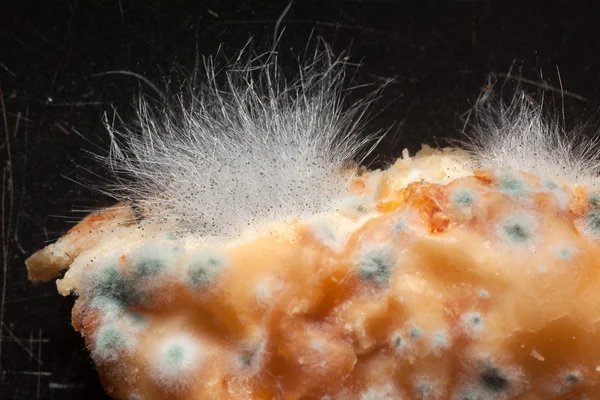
[398, 342]
[175, 356]
[439, 340]
[463, 197]
[399, 226]
[592, 222]
[473, 321]
[594, 199]
[152, 260]
[550, 185]
[565, 254]
[518, 230]
[109, 342]
[111, 288]
[512, 185]
[424, 389]
[203, 269]
[376, 266]
[114, 289]
[148, 266]
[415, 332]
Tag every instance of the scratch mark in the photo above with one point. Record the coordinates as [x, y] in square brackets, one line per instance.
[64, 386]
[8, 70]
[7, 179]
[31, 339]
[39, 376]
[34, 373]
[76, 103]
[121, 10]
[30, 344]
[62, 128]
[20, 343]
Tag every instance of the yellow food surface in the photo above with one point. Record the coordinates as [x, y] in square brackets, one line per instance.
[429, 281]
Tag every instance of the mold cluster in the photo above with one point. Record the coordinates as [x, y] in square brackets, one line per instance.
[425, 299]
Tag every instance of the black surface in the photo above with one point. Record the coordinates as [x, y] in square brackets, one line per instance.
[439, 52]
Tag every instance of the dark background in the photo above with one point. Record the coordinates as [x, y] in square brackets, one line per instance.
[439, 53]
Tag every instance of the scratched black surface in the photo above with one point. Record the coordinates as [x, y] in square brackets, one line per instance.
[439, 52]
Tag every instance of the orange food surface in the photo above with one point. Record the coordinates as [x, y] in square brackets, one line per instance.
[469, 286]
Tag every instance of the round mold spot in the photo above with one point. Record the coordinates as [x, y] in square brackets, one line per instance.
[512, 184]
[493, 380]
[109, 342]
[518, 229]
[175, 361]
[376, 266]
[463, 197]
[203, 268]
[110, 289]
[153, 259]
[592, 223]
[472, 322]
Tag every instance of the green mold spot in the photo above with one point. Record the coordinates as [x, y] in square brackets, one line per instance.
[424, 389]
[415, 332]
[399, 226]
[550, 185]
[109, 342]
[178, 357]
[517, 230]
[153, 260]
[439, 340]
[471, 394]
[592, 222]
[175, 356]
[376, 267]
[473, 321]
[493, 380]
[136, 319]
[398, 342]
[111, 288]
[148, 266]
[594, 199]
[464, 197]
[202, 271]
[565, 254]
[512, 185]
[107, 305]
